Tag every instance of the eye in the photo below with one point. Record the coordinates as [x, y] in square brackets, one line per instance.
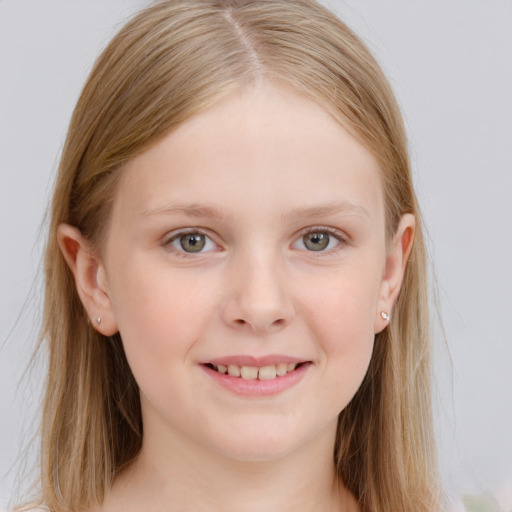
[318, 240]
[192, 242]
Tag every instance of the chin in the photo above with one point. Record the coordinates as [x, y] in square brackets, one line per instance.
[265, 445]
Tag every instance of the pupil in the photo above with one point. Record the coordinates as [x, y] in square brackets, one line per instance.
[316, 241]
[192, 243]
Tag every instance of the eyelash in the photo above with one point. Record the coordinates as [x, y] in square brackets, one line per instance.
[176, 237]
[332, 232]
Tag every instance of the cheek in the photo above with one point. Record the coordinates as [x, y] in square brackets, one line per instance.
[160, 315]
[343, 304]
[345, 330]
[341, 315]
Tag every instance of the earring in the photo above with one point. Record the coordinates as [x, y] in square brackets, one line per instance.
[98, 320]
[385, 316]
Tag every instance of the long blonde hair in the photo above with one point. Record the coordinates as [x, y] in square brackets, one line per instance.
[173, 60]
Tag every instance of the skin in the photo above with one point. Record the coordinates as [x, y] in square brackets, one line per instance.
[254, 173]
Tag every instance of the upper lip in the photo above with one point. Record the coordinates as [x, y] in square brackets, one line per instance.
[246, 360]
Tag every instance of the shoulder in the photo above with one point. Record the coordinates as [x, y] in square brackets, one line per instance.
[27, 508]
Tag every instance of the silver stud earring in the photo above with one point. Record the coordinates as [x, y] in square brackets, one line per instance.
[98, 320]
[385, 316]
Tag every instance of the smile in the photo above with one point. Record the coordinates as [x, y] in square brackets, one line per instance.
[256, 378]
[253, 372]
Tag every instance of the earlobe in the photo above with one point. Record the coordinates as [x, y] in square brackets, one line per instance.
[90, 278]
[396, 262]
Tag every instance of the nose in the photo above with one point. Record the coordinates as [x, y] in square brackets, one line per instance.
[259, 298]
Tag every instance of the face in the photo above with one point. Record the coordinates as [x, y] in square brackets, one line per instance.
[245, 269]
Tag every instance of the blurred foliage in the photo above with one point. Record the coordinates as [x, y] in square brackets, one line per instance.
[482, 503]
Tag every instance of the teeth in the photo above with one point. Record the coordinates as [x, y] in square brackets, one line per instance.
[281, 369]
[253, 372]
[249, 372]
[267, 373]
[233, 370]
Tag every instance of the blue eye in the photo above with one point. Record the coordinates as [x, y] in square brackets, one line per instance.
[193, 242]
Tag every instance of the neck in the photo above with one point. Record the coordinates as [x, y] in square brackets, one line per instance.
[180, 475]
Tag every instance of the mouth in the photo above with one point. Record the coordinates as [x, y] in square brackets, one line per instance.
[268, 372]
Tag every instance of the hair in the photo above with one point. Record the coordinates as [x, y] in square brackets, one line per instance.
[170, 62]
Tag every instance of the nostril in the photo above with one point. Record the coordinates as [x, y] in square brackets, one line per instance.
[276, 323]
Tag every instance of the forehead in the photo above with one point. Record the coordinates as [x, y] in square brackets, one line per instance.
[266, 148]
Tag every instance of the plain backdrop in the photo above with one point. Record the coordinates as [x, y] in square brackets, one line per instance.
[450, 63]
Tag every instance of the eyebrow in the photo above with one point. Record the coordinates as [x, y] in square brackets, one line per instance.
[190, 210]
[340, 207]
[196, 210]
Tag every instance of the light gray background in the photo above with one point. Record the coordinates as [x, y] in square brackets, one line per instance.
[450, 62]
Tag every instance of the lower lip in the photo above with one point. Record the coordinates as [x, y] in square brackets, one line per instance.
[258, 387]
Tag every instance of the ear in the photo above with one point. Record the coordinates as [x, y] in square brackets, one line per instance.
[396, 261]
[90, 278]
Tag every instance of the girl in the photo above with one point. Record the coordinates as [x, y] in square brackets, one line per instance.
[236, 302]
